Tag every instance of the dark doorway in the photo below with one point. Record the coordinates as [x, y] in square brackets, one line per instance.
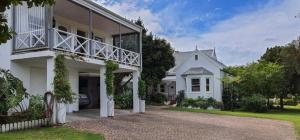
[89, 87]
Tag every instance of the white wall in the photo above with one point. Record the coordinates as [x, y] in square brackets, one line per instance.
[205, 62]
[5, 49]
[38, 83]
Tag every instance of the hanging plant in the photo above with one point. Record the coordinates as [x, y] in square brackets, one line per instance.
[109, 80]
[142, 89]
[62, 88]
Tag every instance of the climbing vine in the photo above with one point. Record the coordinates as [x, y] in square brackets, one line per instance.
[110, 67]
[62, 88]
[142, 89]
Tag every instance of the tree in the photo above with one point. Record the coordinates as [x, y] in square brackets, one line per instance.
[157, 58]
[289, 57]
[262, 78]
[6, 32]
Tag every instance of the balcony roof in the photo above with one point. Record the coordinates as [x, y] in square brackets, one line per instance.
[108, 14]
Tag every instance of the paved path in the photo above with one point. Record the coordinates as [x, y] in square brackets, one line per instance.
[157, 124]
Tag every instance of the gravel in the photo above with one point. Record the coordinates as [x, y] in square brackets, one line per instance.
[161, 124]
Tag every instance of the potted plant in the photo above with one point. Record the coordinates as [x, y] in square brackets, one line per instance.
[109, 80]
[62, 89]
[142, 93]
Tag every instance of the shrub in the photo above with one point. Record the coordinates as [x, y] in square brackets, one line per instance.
[124, 101]
[291, 102]
[36, 108]
[254, 103]
[180, 98]
[158, 98]
[12, 91]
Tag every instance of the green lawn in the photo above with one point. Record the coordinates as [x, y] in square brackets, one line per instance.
[291, 113]
[50, 134]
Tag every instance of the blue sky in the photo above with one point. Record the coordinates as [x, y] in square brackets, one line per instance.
[239, 30]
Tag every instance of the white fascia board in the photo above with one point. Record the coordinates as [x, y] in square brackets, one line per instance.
[33, 55]
[109, 14]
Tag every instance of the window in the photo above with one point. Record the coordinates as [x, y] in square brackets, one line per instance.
[207, 84]
[195, 84]
[196, 57]
[162, 88]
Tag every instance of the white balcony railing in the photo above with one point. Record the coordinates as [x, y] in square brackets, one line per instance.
[75, 44]
[32, 39]
[72, 43]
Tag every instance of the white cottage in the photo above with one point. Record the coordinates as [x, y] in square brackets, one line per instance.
[72, 27]
[197, 73]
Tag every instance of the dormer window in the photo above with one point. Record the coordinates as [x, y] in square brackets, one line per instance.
[196, 57]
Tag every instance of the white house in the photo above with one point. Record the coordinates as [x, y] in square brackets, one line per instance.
[197, 73]
[72, 27]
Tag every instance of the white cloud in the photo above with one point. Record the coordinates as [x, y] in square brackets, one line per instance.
[245, 37]
[238, 40]
[130, 10]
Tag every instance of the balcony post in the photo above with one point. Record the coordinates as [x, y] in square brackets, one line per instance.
[120, 45]
[14, 28]
[90, 32]
[141, 49]
[49, 39]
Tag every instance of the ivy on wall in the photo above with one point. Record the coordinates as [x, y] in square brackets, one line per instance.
[109, 80]
[62, 88]
[142, 89]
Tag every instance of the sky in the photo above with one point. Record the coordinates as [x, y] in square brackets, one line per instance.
[239, 30]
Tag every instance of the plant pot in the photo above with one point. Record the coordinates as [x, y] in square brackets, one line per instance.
[142, 106]
[110, 108]
[61, 113]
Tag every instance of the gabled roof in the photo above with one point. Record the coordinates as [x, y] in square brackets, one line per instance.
[197, 71]
[181, 57]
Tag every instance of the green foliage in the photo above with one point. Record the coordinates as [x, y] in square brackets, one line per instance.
[36, 108]
[109, 80]
[254, 103]
[202, 103]
[157, 57]
[124, 101]
[180, 98]
[6, 32]
[12, 91]
[142, 89]
[158, 98]
[62, 88]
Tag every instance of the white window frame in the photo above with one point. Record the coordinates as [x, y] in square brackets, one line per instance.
[211, 81]
[191, 87]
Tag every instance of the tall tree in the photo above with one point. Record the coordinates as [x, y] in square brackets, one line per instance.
[157, 58]
[6, 32]
[289, 57]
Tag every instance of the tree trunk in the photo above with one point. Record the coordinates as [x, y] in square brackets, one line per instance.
[281, 102]
[268, 103]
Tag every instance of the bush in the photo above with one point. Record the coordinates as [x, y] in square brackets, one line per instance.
[202, 103]
[158, 98]
[180, 98]
[124, 101]
[254, 103]
[36, 108]
[291, 102]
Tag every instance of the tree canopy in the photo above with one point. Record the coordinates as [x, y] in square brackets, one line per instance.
[157, 57]
[6, 32]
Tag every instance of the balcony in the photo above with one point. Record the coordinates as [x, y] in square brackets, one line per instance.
[80, 30]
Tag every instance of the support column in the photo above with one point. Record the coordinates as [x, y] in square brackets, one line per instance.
[103, 94]
[50, 87]
[135, 87]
